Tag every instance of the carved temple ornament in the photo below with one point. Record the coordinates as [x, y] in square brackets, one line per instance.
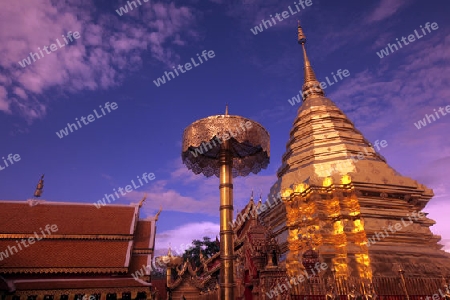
[371, 294]
[328, 181]
[303, 188]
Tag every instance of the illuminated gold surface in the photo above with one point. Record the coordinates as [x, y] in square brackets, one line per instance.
[327, 217]
[250, 148]
[227, 283]
[247, 151]
[354, 194]
[311, 87]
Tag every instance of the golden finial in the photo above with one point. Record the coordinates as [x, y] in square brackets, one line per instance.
[226, 110]
[158, 213]
[310, 86]
[142, 201]
[40, 186]
[300, 35]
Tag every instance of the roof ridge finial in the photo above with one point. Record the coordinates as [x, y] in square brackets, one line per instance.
[311, 85]
[40, 186]
[158, 213]
[226, 110]
[142, 201]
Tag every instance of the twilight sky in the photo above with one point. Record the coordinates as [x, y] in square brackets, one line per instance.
[117, 59]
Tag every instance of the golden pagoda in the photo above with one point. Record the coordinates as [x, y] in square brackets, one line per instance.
[359, 216]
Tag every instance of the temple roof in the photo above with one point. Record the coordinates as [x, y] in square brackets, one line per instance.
[71, 218]
[87, 239]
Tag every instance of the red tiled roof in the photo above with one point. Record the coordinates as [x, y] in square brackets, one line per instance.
[71, 218]
[66, 254]
[144, 237]
[88, 239]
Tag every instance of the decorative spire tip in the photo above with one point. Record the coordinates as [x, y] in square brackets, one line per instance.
[40, 186]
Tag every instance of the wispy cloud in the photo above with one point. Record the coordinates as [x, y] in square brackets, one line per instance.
[385, 9]
[107, 50]
[189, 193]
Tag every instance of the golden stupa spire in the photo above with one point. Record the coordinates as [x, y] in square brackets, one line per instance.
[39, 187]
[310, 86]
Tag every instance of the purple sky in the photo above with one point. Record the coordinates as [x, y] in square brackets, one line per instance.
[117, 58]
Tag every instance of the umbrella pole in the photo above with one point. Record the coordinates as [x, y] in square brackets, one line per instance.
[226, 217]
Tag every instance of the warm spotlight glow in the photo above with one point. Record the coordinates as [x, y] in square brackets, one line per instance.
[300, 188]
[287, 193]
[346, 179]
[338, 227]
[328, 181]
[358, 226]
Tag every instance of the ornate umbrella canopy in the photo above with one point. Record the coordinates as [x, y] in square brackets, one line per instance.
[249, 145]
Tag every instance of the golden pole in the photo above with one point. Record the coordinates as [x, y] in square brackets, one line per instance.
[168, 280]
[226, 216]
